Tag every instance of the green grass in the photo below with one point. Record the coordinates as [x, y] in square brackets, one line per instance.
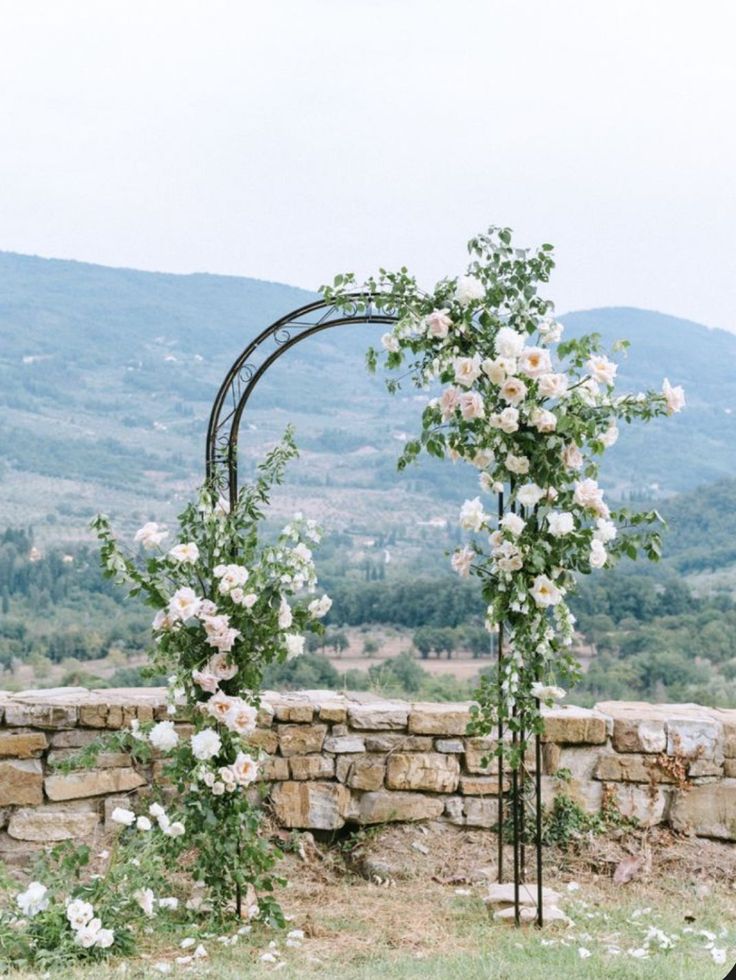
[419, 930]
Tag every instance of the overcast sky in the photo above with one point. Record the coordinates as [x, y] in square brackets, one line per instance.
[291, 139]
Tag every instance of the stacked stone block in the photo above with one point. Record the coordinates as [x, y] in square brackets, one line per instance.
[333, 760]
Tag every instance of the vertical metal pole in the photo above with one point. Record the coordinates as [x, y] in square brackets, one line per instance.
[538, 828]
[500, 733]
[515, 811]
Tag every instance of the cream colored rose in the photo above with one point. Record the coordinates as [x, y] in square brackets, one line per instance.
[674, 397]
[552, 385]
[449, 401]
[560, 522]
[469, 290]
[513, 391]
[601, 369]
[572, 457]
[517, 464]
[471, 405]
[438, 324]
[543, 420]
[534, 361]
[472, 515]
[467, 370]
[529, 494]
[508, 420]
[494, 370]
[545, 592]
[508, 342]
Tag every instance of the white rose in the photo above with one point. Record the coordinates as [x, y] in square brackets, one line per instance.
[186, 553]
[513, 391]
[206, 744]
[391, 343]
[33, 900]
[598, 554]
[469, 290]
[462, 560]
[241, 718]
[163, 737]
[294, 645]
[221, 668]
[494, 370]
[143, 823]
[467, 370]
[86, 937]
[545, 592]
[610, 436]
[513, 524]
[156, 810]
[449, 401]
[244, 769]
[601, 369]
[207, 681]
[79, 913]
[145, 898]
[543, 420]
[530, 494]
[547, 692]
[176, 829]
[318, 608]
[550, 331]
[150, 535]
[674, 397]
[508, 420]
[105, 938]
[472, 515]
[590, 496]
[605, 530]
[534, 361]
[552, 385]
[508, 342]
[572, 457]
[471, 405]
[516, 464]
[219, 705]
[589, 391]
[560, 522]
[122, 816]
[231, 577]
[438, 324]
[508, 557]
[483, 458]
[285, 617]
[162, 621]
[184, 604]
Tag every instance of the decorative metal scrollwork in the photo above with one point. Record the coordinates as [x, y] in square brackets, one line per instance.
[248, 369]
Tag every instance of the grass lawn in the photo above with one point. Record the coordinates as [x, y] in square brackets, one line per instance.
[674, 922]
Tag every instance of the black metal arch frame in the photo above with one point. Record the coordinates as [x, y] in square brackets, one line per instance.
[222, 470]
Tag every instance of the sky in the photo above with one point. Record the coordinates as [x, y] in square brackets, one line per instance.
[292, 139]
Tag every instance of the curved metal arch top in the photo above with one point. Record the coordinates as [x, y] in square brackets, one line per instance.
[262, 352]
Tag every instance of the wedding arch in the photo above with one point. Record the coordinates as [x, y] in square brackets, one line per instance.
[222, 444]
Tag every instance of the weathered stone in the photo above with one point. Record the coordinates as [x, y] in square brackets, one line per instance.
[480, 748]
[528, 915]
[365, 772]
[631, 768]
[708, 810]
[50, 823]
[105, 760]
[379, 715]
[22, 745]
[310, 805]
[398, 743]
[439, 719]
[482, 785]
[21, 714]
[311, 766]
[92, 782]
[333, 711]
[452, 745]
[273, 769]
[21, 782]
[587, 793]
[17, 853]
[294, 711]
[647, 804]
[265, 739]
[500, 894]
[454, 811]
[695, 738]
[344, 743]
[572, 725]
[729, 768]
[77, 738]
[383, 806]
[639, 736]
[432, 771]
[551, 754]
[704, 769]
[301, 739]
[481, 812]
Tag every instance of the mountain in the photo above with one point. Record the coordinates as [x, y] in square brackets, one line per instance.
[107, 377]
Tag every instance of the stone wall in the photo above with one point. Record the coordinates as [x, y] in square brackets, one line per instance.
[334, 760]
